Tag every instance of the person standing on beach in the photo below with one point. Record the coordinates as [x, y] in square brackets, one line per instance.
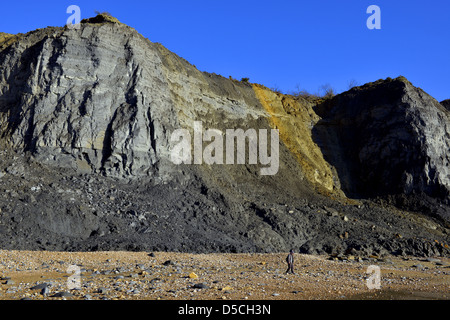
[290, 262]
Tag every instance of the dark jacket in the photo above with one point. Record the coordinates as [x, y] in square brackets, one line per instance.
[290, 259]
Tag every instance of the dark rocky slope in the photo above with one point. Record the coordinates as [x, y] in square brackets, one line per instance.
[388, 139]
[446, 104]
[86, 118]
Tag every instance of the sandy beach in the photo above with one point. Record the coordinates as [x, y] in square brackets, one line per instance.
[179, 276]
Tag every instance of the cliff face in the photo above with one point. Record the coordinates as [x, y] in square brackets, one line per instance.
[103, 99]
[103, 102]
[387, 138]
[74, 99]
[446, 104]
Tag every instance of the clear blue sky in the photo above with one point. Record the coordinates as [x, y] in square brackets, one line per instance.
[280, 43]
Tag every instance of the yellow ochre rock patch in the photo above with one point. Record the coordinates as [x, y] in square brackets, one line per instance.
[7, 39]
[295, 119]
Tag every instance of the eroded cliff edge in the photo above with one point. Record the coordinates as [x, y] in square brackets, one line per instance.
[100, 103]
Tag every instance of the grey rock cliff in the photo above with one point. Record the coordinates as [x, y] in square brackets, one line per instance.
[387, 138]
[103, 99]
[446, 104]
[86, 118]
[86, 99]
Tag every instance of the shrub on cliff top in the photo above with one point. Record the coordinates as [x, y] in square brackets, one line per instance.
[101, 17]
